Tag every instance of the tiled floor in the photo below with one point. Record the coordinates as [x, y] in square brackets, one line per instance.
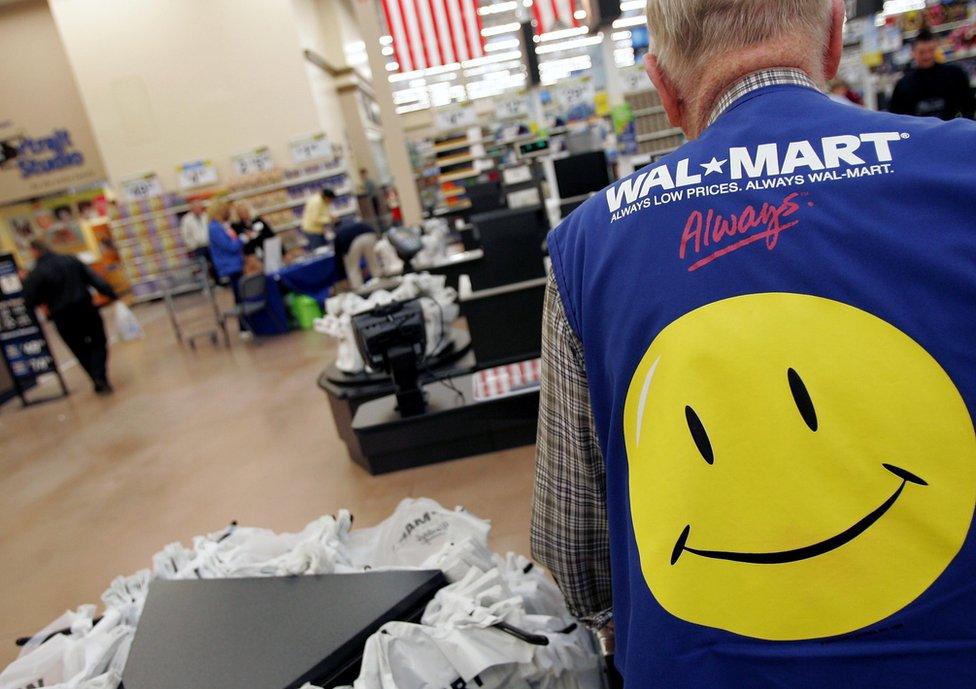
[93, 486]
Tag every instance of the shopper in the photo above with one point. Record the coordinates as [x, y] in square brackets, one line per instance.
[195, 228]
[933, 89]
[317, 219]
[354, 243]
[251, 229]
[226, 248]
[755, 452]
[61, 284]
[369, 191]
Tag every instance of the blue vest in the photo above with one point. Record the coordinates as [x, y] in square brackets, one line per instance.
[779, 327]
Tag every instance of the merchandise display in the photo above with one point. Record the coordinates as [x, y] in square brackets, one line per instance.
[147, 232]
[499, 618]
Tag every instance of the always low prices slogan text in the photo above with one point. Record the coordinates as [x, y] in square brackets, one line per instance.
[764, 167]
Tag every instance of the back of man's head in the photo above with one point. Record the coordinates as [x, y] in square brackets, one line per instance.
[688, 34]
[328, 194]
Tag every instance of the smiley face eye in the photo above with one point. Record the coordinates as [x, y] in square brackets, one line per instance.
[802, 399]
[699, 435]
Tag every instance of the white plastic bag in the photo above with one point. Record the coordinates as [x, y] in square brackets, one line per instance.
[126, 324]
[411, 656]
[72, 659]
[419, 533]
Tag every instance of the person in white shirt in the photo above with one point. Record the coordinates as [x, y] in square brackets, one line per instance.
[195, 229]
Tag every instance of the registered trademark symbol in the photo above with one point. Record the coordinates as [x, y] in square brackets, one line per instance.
[905, 135]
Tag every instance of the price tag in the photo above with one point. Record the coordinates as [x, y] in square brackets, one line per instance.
[312, 147]
[455, 117]
[512, 107]
[142, 187]
[196, 173]
[252, 162]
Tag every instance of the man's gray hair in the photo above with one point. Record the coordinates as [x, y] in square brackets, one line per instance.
[687, 33]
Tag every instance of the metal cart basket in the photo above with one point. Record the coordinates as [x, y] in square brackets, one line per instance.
[192, 304]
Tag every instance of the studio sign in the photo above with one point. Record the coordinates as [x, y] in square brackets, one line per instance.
[40, 155]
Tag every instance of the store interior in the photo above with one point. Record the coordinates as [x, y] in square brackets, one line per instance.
[323, 374]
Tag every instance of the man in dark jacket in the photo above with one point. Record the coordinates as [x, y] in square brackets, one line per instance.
[61, 283]
[933, 89]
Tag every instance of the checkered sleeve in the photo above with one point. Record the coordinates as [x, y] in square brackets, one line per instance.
[569, 519]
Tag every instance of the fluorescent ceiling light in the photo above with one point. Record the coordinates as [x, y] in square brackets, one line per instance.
[392, 66]
[443, 69]
[628, 5]
[621, 35]
[563, 33]
[500, 29]
[386, 40]
[629, 21]
[489, 59]
[495, 46]
[570, 44]
[387, 50]
[498, 8]
[579, 14]
[900, 6]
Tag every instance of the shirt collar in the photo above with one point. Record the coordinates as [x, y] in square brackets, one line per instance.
[757, 80]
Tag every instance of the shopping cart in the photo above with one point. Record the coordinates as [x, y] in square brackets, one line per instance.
[192, 305]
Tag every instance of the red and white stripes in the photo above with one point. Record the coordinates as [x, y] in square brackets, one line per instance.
[552, 15]
[503, 381]
[432, 33]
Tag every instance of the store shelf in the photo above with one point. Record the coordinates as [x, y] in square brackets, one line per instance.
[455, 160]
[453, 193]
[661, 152]
[159, 294]
[234, 196]
[960, 55]
[659, 135]
[453, 145]
[159, 232]
[656, 110]
[461, 174]
[940, 28]
[284, 184]
[133, 219]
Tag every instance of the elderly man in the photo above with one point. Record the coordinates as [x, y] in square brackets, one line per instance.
[756, 454]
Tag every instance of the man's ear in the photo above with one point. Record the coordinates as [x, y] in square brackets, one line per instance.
[835, 40]
[670, 99]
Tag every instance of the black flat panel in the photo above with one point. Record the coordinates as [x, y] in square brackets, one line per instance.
[512, 240]
[269, 633]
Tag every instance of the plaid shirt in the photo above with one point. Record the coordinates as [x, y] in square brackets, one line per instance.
[569, 518]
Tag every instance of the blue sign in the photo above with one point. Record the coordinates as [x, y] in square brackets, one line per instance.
[23, 344]
[42, 154]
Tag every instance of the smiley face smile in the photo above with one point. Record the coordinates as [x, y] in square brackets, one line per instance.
[771, 429]
[825, 546]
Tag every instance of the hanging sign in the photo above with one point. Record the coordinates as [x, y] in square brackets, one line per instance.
[196, 173]
[634, 79]
[253, 161]
[141, 187]
[311, 147]
[576, 98]
[23, 345]
[455, 117]
[511, 107]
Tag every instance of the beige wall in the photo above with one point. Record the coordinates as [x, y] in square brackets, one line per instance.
[167, 82]
[38, 96]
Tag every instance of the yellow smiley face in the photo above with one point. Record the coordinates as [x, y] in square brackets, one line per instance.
[798, 468]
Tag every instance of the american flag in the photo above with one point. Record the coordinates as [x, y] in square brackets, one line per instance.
[551, 15]
[431, 33]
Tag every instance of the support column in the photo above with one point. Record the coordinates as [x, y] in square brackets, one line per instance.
[394, 140]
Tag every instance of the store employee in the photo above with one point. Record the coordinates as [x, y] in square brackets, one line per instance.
[933, 89]
[756, 456]
[317, 218]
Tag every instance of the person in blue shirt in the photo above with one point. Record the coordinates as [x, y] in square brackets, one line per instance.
[756, 460]
[226, 247]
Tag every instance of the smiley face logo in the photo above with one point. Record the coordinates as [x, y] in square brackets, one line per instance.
[798, 468]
